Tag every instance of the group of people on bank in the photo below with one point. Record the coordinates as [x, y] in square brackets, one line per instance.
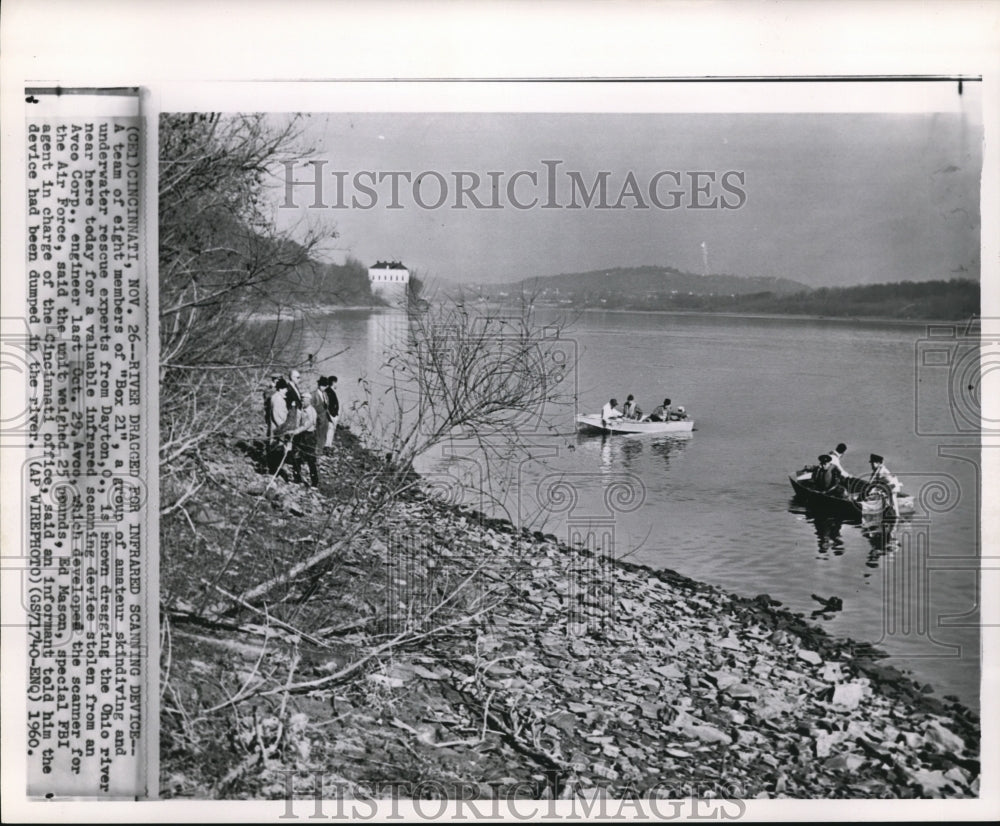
[300, 425]
[665, 412]
[831, 478]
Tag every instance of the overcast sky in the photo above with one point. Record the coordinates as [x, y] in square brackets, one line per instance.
[825, 199]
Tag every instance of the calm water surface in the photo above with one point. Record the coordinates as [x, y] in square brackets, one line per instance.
[767, 395]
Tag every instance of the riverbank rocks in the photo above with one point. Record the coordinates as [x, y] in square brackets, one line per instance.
[442, 647]
[808, 656]
[847, 696]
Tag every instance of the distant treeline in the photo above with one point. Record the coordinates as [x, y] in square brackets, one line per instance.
[321, 284]
[954, 299]
[314, 283]
[667, 288]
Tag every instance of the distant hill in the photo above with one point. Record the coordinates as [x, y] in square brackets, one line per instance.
[665, 288]
[643, 281]
[957, 299]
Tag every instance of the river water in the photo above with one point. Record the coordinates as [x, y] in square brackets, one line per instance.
[767, 396]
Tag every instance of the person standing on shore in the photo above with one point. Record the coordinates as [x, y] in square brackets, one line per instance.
[319, 403]
[304, 444]
[293, 398]
[278, 408]
[277, 427]
[332, 409]
[268, 393]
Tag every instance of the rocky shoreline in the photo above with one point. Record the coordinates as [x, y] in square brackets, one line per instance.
[441, 653]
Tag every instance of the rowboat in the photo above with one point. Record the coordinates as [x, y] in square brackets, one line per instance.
[592, 422]
[863, 501]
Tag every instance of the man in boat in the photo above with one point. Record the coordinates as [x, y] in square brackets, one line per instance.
[836, 455]
[883, 478]
[662, 413]
[826, 478]
[610, 411]
[631, 409]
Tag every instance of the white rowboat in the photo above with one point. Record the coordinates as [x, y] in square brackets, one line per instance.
[593, 422]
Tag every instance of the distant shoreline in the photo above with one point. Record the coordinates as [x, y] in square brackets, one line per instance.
[330, 309]
[318, 309]
[901, 322]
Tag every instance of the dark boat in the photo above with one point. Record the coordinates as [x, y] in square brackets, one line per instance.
[862, 501]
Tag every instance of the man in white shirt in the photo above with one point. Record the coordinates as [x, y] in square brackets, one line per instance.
[881, 476]
[835, 456]
[278, 408]
[610, 411]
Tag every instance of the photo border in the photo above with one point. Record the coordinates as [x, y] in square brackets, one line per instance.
[867, 40]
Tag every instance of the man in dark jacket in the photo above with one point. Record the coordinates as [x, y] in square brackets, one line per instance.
[826, 478]
[332, 408]
[304, 444]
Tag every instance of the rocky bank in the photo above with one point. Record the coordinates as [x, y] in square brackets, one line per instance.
[440, 653]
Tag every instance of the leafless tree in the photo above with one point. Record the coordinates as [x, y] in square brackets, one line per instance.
[464, 371]
[223, 266]
[467, 372]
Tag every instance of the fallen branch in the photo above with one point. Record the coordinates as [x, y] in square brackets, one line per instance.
[297, 631]
[398, 641]
[426, 740]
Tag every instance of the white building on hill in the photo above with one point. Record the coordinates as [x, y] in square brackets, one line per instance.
[390, 281]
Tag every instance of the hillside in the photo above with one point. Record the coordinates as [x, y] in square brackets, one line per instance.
[641, 281]
[957, 299]
[665, 288]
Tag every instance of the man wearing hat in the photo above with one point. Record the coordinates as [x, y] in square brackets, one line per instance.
[826, 478]
[269, 391]
[883, 478]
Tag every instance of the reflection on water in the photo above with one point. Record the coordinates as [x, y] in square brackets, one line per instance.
[388, 334]
[828, 534]
[665, 446]
[883, 538]
[715, 507]
[631, 448]
[624, 451]
[882, 534]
